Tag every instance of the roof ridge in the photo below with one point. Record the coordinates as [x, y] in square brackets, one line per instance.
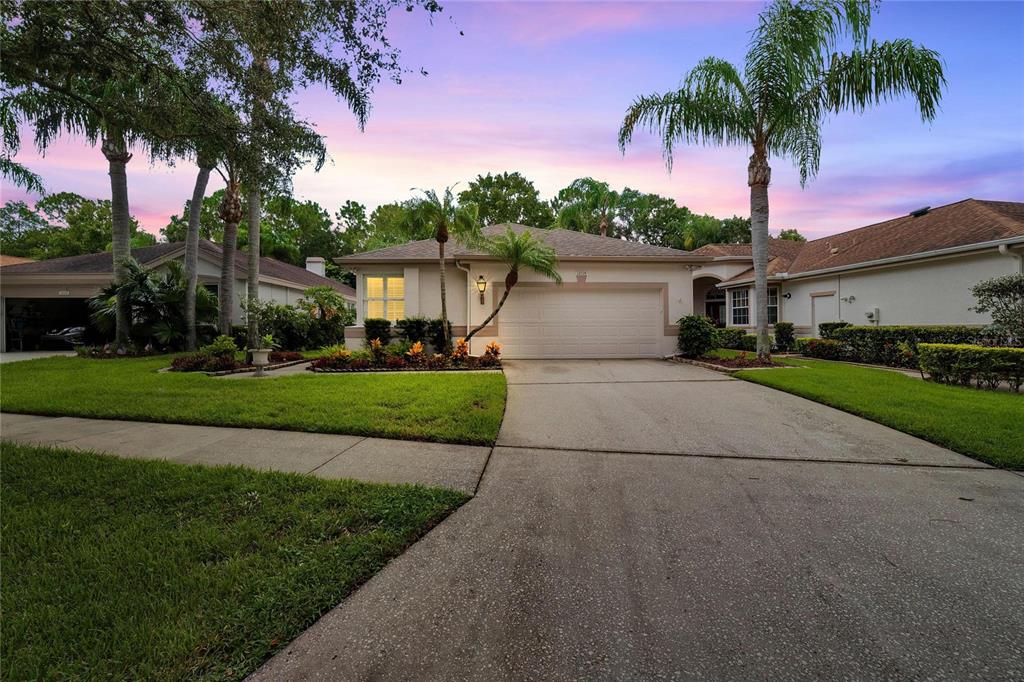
[1004, 220]
[888, 220]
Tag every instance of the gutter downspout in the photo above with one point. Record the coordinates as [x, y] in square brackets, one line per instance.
[1005, 250]
[469, 296]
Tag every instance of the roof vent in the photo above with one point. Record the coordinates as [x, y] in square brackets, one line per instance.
[920, 212]
[834, 250]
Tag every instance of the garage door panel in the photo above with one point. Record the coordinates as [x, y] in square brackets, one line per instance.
[566, 323]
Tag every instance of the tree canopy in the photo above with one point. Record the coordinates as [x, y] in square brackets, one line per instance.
[507, 198]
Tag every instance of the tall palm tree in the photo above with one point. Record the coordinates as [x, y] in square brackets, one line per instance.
[793, 78]
[205, 164]
[231, 212]
[517, 250]
[445, 218]
[588, 203]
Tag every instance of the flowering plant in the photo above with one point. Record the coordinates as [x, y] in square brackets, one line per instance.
[461, 350]
[415, 352]
[493, 349]
[377, 351]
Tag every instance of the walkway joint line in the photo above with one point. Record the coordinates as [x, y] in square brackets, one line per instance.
[336, 456]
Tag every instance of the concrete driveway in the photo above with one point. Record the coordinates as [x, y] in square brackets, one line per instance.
[645, 520]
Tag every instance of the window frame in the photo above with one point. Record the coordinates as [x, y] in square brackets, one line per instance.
[734, 294]
[773, 307]
[384, 298]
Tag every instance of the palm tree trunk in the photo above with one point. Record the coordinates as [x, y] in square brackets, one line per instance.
[758, 176]
[226, 294]
[491, 316]
[253, 288]
[444, 299]
[116, 152]
[604, 225]
[192, 254]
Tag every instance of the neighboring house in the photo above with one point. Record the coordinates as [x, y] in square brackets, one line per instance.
[40, 296]
[618, 299]
[622, 299]
[917, 269]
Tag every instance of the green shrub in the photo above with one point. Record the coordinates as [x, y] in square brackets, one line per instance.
[729, 337]
[222, 346]
[784, 337]
[824, 349]
[896, 346]
[435, 334]
[377, 328]
[696, 336]
[412, 329]
[825, 329]
[986, 366]
[1003, 298]
[748, 342]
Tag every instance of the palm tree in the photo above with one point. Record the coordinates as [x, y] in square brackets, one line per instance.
[793, 78]
[517, 250]
[205, 164]
[446, 217]
[587, 201]
[231, 213]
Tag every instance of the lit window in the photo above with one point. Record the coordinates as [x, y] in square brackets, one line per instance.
[740, 306]
[385, 297]
[773, 305]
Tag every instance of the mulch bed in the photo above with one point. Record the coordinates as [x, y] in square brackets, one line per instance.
[730, 365]
[346, 370]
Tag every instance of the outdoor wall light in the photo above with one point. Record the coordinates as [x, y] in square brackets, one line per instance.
[787, 295]
[481, 286]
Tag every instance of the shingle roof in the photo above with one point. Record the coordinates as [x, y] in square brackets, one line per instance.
[971, 221]
[101, 263]
[566, 243]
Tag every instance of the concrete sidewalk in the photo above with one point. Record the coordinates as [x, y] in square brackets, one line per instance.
[375, 460]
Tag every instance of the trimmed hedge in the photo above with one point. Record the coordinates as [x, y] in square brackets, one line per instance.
[377, 328]
[784, 337]
[825, 329]
[986, 366]
[729, 337]
[823, 349]
[896, 346]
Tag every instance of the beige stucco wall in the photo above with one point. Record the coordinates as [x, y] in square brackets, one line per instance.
[423, 297]
[929, 292]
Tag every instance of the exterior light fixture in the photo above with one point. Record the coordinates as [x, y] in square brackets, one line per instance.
[787, 295]
[481, 286]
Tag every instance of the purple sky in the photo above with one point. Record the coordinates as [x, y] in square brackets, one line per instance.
[541, 88]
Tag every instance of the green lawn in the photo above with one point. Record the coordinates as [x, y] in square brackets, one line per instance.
[130, 569]
[454, 407]
[986, 425]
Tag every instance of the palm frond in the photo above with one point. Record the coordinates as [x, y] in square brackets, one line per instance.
[882, 72]
[708, 110]
[519, 250]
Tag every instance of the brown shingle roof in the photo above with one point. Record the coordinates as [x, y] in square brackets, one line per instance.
[967, 222]
[566, 243]
[101, 263]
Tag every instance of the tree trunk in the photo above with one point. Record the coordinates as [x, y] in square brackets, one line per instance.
[231, 213]
[116, 152]
[226, 294]
[192, 255]
[604, 226]
[759, 174]
[253, 289]
[444, 298]
[489, 317]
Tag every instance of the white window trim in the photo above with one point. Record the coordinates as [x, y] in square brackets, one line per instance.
[776, 306]
[733, 307]
[366, 296]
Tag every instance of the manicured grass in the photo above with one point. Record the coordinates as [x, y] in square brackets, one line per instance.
[448, 407]
[986, 425]
[130, 569]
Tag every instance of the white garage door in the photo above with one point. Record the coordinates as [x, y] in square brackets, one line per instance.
[580, 323]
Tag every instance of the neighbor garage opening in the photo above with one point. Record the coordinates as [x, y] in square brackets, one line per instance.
[36, 323]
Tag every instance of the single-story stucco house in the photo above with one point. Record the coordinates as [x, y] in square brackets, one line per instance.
[622, 299]
[39, 296]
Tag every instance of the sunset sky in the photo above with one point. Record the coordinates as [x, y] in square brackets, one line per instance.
[541, 88]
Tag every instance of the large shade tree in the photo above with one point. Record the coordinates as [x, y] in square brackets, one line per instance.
[587, 205]
[795, 75]
[507, 198]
